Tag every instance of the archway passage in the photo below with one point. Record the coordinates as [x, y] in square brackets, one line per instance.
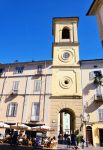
[89, 134]
[66, 121]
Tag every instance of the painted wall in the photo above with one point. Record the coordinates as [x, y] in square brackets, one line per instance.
[26, 94]
[89, 89]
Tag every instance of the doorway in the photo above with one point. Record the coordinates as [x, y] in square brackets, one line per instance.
[101, 137]
[89, 134]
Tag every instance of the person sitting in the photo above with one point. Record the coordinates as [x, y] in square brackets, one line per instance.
[54, 142]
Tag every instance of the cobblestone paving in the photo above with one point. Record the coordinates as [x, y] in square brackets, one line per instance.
[60, 147]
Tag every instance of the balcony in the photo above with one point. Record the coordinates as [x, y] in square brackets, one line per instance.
[98, 98]
[14, 92]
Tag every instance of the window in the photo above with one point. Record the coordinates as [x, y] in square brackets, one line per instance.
[35, 111]
[100, 111]
[15, 85]
[37, 85]
[65, 33]
[19, 70]
[12, 110]
[39, 69]
[98, 91]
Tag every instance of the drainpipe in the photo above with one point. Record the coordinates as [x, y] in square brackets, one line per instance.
[40, 98]
[44, 92]
[24, 100]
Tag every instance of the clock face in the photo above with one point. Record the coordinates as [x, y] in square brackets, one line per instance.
[65, 56]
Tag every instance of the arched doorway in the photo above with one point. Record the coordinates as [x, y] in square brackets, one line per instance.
[89, 134]
[66, 121]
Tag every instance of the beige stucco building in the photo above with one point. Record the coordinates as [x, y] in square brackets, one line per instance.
[24, 92]
[92, 89]
[97, 10]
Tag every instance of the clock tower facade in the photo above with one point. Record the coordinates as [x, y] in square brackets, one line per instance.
[66, 77]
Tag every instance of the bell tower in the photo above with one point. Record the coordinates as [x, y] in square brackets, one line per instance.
[66, 68]
[66, 77]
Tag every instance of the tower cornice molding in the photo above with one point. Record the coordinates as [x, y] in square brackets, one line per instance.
[66, 44]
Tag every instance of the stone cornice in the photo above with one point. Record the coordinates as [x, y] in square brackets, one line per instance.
[60, 66]
[23, 76]
[94, 7]
[67, 97]
[66, 44]
[43, 62]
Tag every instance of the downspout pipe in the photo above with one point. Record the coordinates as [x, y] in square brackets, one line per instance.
[24, 100]
[44, 92]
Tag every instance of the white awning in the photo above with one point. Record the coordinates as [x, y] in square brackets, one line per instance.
[20, 127]
[4, 125]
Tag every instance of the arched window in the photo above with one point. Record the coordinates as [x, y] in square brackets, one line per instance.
[65, 33]
[11, 109]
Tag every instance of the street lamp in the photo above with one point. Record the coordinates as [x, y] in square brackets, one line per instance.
[85, 120]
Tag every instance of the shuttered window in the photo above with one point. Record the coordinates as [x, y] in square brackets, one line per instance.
[100, 111]
[15, 85]
[37, 85]
[12, 110]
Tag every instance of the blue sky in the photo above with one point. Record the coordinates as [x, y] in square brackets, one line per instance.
[26, 29]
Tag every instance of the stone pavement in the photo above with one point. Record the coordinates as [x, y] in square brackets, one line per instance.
[60, 147]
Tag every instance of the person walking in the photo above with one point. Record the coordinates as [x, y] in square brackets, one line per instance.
[82, 142]
[68, 142]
